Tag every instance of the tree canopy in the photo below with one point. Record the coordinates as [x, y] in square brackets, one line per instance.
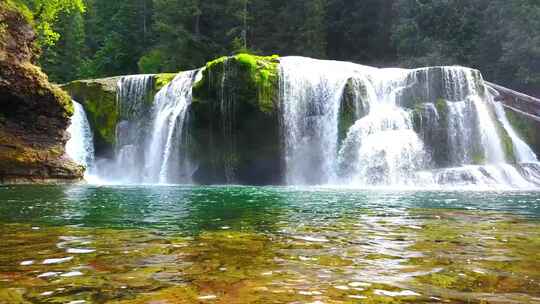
[97, 38]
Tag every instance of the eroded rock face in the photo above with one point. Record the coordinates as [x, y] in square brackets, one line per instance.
[34, 114]
[234, 122]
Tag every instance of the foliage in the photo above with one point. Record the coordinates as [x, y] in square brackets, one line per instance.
[61, 60]
[499, 37]
[151, 62]
[22, 8]
[45, 15]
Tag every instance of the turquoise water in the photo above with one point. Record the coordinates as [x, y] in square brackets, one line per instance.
[187, 244]
[191, 209]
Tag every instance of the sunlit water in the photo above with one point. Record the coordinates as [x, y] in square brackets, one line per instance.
[175, 244]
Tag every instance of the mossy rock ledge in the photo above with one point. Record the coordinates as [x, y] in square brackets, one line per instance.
[34, 114]
[234, 121]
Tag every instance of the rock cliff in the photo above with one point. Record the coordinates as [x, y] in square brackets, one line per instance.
[34, 114]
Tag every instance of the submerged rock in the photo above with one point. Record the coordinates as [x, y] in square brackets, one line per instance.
[34, 114]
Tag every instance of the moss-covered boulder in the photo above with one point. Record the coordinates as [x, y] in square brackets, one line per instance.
[34, 114]
[234, 121]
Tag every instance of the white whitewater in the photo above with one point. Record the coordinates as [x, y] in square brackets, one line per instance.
[169, 113]
[382, 148]
[310, 93]
[134, 101]
[460, 137]
[80, 146]
[133, 95]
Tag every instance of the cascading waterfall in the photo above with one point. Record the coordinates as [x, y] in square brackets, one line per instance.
[522, 152]
[169, 114]
[426, 127]
[458, 142]
[80, 146]
[382, 148]
[310, 92]
[133, 102]
[228, 120]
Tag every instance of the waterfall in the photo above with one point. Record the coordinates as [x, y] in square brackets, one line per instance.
[382, 148]
[80, 146]
[431, 127]
[522, 152]
[134, 101]
[133, 95]
[228, 120]
[341, 123]
[310, 93]
[460, 132]
[169, 114]
[150, 146]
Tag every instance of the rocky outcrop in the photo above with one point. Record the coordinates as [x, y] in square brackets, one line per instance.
[235, 123]
[34, 114]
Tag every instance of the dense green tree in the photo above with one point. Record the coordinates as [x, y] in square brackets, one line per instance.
[63, 60]
[118, 34]
[45, 16]
[499, 37]
[361, 31]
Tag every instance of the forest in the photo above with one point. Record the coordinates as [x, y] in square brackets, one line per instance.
[98, 38]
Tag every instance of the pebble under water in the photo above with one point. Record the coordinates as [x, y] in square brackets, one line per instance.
[187, 244]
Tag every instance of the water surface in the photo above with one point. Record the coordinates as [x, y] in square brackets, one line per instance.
[183, 244]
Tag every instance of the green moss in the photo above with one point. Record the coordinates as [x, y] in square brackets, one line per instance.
[161, 80]
[506, 140]
[441, 280]
[255, 80]
[507, 143]
[417, 113]
[64, 99]
[12, 296]
[101, 108]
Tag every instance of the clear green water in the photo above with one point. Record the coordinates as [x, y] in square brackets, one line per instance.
[176, 244]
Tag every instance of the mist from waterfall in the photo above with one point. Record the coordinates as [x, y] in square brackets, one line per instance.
[80, 146]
